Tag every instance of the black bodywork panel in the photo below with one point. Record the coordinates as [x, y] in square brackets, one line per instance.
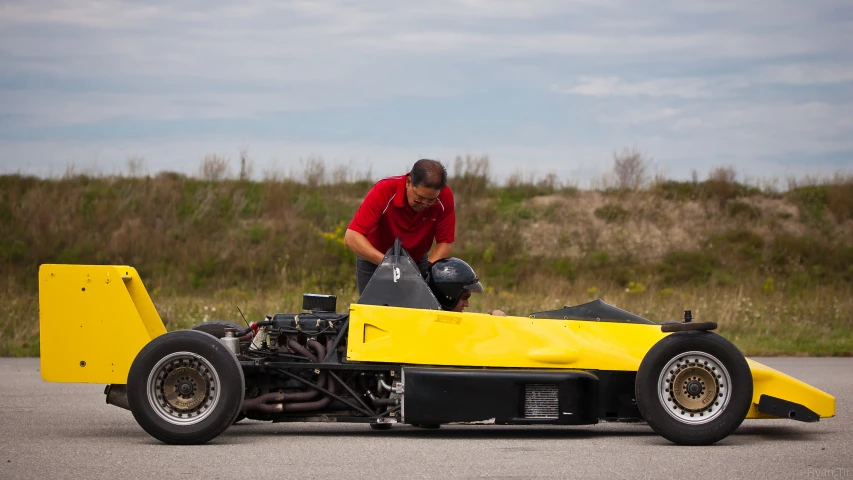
[596, 310]
[397, 282]
[616, 400]
[785, 409]
[446, 395]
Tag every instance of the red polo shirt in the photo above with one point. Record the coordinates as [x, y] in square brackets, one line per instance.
[385, 214]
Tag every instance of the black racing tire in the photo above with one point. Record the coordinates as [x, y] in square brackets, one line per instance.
[217, 328]
[185, 387]
[712, 393]
[380, 426]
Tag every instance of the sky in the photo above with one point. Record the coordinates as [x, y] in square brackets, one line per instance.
[540, 86]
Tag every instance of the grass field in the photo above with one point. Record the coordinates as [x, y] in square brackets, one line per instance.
[774, 268]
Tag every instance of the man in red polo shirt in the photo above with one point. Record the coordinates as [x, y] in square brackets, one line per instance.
[417, 207]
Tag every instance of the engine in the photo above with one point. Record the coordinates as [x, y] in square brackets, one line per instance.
[294, 368]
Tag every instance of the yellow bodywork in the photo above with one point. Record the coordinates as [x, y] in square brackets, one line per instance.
[428, 337]
[95, 319]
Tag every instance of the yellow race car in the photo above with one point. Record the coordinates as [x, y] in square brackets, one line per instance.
[401, 355]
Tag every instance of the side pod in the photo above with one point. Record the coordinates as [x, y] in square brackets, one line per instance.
[517, 397]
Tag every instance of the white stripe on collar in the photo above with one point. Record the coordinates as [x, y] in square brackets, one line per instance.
[387, 204]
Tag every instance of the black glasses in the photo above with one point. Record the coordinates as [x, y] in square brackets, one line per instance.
[422, 199]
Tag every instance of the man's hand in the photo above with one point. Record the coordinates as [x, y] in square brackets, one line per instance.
[499, 313]
[441, 250]
[425, 267]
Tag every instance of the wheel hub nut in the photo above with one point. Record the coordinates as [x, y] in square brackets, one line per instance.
[185, 388]
[694, 388]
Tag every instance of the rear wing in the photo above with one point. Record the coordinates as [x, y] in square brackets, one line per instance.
[93, 320]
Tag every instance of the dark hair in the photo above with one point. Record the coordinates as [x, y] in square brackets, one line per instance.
[429, 173]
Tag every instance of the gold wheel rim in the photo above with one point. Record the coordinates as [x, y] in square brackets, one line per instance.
[694, 387]
[184, 389]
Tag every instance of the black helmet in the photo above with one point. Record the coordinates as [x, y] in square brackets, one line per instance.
[449, 278]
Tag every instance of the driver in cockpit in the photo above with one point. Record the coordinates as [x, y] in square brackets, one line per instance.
[452, 281]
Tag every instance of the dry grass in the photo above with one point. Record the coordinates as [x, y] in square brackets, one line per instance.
[772, 268]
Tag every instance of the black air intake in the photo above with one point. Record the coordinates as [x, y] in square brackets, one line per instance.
[541, 401]
[319, 303]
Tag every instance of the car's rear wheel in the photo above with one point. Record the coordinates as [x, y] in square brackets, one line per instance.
[184, 387]
[217, 329]
[694, 388]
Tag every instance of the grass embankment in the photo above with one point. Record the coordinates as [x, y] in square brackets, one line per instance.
[775, 270]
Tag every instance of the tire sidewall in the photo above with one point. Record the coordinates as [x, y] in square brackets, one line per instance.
[656, 413]
[231, 385]
[215, 327]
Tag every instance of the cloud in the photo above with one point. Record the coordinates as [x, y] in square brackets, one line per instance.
[693, 81]
[805, 74]
[661, 87]
[786, 74]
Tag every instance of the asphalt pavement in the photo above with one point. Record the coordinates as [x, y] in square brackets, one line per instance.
[56, 430]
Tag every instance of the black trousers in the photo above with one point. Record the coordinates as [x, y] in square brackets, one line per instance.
[364, 270]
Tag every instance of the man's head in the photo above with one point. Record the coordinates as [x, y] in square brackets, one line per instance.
[452, 281]
[424, 184]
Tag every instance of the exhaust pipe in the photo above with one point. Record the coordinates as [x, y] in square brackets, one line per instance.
[117, 395]
[278, 402]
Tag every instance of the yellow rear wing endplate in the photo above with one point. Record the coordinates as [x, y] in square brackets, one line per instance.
[93, 320]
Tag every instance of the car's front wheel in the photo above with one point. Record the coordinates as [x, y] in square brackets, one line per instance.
[694, 388]
[185, 387]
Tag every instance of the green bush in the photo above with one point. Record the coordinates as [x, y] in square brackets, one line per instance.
[840, 200]
[787, 251]
[720, 189]
[611, 213]
[508, 197]
[200, 272]
[12, 251]
[686, 267]
[811, 202]
[256, 234]
[564, 268]
[674, 190]
[747, 246]
[597, 259]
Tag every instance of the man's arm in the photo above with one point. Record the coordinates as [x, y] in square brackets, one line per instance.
[366, 219]
[359, 244]
[441, 250]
